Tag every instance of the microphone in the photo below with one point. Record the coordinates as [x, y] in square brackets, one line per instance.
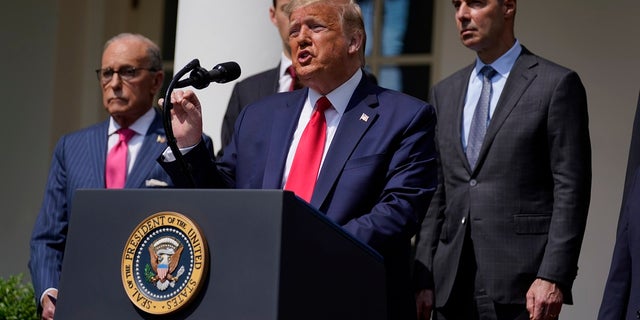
[200, 78]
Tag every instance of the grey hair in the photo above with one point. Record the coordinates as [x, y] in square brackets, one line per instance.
[153, 50]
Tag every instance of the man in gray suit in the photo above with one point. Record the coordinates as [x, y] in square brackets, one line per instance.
[503, 233]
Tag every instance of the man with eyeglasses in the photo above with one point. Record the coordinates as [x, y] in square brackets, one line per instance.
[117, 153]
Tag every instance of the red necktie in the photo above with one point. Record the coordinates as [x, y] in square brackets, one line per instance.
[294, 79]
[116, 169]
[306, 162]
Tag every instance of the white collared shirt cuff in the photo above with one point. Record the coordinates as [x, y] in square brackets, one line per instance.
[44, 294]
[168, 156]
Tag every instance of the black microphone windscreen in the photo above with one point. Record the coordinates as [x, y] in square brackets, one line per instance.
[230, 70]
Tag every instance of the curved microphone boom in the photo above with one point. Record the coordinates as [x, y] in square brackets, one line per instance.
[221, 73]
[199, 79]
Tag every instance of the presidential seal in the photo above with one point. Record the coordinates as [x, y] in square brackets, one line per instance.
[164, 263]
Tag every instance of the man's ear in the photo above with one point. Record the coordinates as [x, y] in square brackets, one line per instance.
[157, 82]
[272, 16]
[356, 42]
[509, 8]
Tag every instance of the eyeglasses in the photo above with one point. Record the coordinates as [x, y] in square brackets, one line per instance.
[125, 73]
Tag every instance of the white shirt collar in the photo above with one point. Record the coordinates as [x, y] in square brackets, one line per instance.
[285, 63]
[341, 95]
[140, 126]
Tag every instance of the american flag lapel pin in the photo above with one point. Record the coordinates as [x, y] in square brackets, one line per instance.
[161, 139]
[364, 117]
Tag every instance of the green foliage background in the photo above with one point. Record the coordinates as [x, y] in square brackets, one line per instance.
[17, 300]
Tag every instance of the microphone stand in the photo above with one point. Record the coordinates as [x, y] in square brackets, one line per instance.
[166, 119]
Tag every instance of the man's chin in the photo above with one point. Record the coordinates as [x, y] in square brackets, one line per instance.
[304, 75]
[468, 41]
[473, 45]
[117, 110]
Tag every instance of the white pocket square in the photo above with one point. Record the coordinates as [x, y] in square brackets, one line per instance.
[155, 183]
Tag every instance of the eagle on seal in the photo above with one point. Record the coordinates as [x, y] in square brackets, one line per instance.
[165, 255]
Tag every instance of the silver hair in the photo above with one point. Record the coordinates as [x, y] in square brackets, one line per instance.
[153, 50]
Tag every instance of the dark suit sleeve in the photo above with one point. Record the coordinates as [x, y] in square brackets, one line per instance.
[634, 152]
[50, 231]
[233, 109]
[617, 289]
[569, 150]
[429, 233]
[408, 187]
[201, 167]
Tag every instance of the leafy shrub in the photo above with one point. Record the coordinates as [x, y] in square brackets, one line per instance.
[17, 300]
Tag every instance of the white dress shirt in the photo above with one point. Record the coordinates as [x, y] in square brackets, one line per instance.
[140, 127]
[339, 99]
[284, 83]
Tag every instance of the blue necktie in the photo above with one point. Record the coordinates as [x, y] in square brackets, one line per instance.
[480, 120]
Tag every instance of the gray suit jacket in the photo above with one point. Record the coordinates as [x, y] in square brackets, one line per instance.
[526, 202]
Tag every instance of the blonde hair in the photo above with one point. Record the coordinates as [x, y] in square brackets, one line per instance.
[348, 11]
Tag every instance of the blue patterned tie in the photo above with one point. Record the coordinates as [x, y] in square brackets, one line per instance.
[480, 119]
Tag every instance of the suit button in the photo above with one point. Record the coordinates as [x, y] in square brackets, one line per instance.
[638, 314]
[473, 182]
[464, 219]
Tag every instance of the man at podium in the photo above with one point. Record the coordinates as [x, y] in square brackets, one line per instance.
[361, 154]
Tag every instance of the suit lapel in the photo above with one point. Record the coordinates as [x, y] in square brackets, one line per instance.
[520, 77]
[269, 84]
[281, 136]
[274, 84]
[152, 146]
[459, 91]
[97, 147]
[349, 132]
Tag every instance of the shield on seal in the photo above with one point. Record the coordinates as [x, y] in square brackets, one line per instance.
[162, 271]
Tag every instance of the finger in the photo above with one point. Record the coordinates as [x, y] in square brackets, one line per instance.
[423, 315]
[192, 97]
[553, 312]
[551, 316]
[537, 311]
[47, 311]
[187, 100]
[176, 96]
[530, 304]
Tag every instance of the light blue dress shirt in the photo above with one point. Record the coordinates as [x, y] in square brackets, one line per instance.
[503, 67]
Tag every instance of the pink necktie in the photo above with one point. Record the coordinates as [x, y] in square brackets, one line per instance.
[116, 169]
[306, 162]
